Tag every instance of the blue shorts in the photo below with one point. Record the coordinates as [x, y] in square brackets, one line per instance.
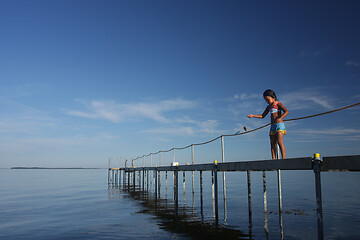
[277, 127]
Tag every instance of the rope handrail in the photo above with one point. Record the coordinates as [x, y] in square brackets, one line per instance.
[253, 130]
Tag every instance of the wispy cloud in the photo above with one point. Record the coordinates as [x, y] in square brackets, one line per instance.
[196, 128]
[306, 53]
[244, 103]
[244, 96]
[167, 113]
[306, 99]
[120, 112]
[353, 63]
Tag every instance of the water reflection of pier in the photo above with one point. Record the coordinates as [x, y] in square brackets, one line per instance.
[180, 220]
[144, 183]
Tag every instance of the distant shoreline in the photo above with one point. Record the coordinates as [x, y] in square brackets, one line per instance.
[50, 168]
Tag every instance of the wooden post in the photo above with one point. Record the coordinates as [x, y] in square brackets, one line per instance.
[156, 179]
[279, 180]
[201, 195]
[319, 212]
[184, 186]
[193, 177]
[143, 179]
[128, 179]
[213, 192]
[134, 177]
[176, 188]
[147, 182]
[159, 184]
[216, 193]
[166, 184]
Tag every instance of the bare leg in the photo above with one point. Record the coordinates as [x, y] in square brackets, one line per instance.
[280, 141]
[273, 146]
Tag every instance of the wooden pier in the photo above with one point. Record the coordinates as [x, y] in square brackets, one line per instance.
[129, 175]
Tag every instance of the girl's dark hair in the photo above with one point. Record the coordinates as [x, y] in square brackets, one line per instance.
[270, 93]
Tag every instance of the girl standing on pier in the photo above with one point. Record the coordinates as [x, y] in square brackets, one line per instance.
[277, 129]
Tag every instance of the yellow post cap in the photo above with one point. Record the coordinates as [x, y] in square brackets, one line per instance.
[317, 155]
[155, 165]
[215, 161]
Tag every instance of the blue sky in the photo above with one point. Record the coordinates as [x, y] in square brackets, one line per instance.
[82, 81]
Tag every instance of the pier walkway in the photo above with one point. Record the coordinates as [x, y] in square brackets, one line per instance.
[142, 176]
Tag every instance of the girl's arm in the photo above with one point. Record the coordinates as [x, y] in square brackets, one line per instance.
[259, 115]
[286, 112]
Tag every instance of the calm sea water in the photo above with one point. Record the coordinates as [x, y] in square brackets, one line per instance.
[79, 204]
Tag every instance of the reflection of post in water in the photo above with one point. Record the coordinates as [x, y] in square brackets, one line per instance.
[281, 226]
[249, 203]
[225, 208]
[264, 190]
[174, 219]
[266, 228]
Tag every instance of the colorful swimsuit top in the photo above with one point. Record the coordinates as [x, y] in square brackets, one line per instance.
[275, 108]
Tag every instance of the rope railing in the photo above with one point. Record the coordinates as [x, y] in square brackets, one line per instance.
[249, 131]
